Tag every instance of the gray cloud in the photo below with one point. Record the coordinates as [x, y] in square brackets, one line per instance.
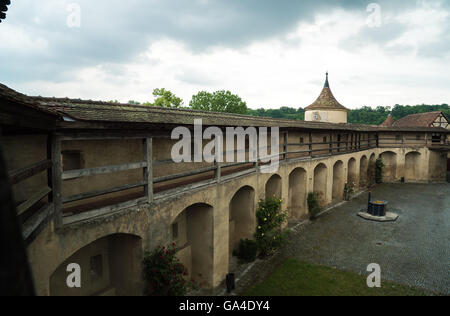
[114, 31]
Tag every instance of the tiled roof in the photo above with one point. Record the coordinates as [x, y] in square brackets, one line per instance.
[326, 101]
[418, 120]
[104, 112]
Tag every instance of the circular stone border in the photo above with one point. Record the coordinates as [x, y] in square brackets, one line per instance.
[390, 217]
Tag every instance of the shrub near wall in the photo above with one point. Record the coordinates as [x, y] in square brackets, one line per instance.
[269, 234]
[313, 205]
[163, 273]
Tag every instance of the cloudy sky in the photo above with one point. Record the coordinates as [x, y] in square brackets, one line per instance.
[272, 53]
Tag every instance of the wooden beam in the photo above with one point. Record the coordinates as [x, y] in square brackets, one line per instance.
[36, 197]
[73, 174]
[88, 195]
[102, 211]
[18, 175]
[184, 174]
[148, 170]
[57, 179]
[32, 225]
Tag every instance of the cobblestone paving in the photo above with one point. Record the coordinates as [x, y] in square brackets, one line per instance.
[414, 250]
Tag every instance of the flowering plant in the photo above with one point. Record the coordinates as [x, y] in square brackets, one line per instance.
[270, 218]
[163, 273]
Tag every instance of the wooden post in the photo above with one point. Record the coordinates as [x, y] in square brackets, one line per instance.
[148, 171]
[285, 145]
[56, 179]
[346, 143]
[331, 144]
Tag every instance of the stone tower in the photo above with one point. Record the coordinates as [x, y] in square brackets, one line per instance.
[326, 108]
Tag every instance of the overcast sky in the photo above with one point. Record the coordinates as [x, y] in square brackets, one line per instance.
[271, 53]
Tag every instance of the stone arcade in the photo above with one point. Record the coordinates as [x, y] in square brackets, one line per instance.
[95, 184]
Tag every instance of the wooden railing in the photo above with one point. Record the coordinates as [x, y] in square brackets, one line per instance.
[155, 188]
[33, 219]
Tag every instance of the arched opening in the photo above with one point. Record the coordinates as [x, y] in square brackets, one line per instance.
[351, 175]
[192, 231]
[390, 166]
[372, 170]
[273, 187]
[363, 169]
[242, 216]
[109, 266]
[338, 181]
[320, 183]
[412, 166]
[297, 193]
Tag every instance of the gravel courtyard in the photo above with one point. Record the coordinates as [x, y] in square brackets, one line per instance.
[414, 250]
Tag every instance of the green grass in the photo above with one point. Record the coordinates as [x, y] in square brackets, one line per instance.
[295, 278]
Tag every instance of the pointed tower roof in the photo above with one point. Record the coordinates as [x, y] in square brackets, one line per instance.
[326, 100]
[388, 122]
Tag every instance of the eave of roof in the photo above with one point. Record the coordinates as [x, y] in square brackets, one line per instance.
[89, 111]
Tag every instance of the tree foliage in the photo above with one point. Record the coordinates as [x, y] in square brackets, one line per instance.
[219, 101]
[166, 99]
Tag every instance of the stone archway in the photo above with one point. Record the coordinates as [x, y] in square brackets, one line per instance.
[351, 172]
[412, 166]
[242, 222]
[274, 187]
[338, 181]
[109, 266]
[390, 166]
[192, 230]
[297, 193]
[320, 183]
[363, 170]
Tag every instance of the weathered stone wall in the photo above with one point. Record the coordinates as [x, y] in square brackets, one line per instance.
[203, 214]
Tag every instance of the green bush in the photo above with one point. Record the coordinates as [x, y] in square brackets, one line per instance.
[269, 234]
[163, 273]
[313, 205]
[379, 170]
[349, 189]
[247, 250]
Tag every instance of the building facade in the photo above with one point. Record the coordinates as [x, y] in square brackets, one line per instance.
[95, 184]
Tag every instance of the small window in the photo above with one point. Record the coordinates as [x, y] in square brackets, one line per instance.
[175, 231]
[302, 140]
[96, 268]
[325, 139]
[72, 160]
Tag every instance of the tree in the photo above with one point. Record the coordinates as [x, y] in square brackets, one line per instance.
[219, 101]
[166, 99]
